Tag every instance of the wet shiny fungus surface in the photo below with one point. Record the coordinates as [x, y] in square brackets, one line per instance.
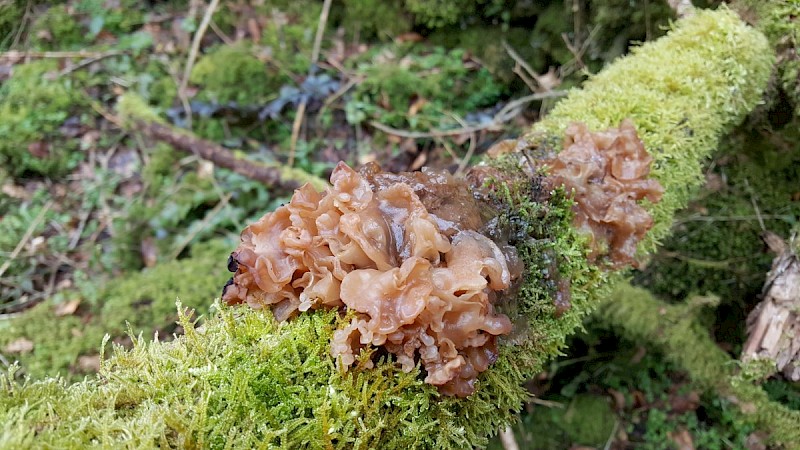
[607, 173]
[402, 250]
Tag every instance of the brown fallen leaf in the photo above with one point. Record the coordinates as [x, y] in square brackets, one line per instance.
[416, 106]
[89, 363]
[67, 308]
[21, 345]
[39, 149]
[619, 399]
[682, 439]
[684, 403]
[149, 251]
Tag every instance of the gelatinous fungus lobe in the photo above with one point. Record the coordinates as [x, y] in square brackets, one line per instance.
[403, 251]
[607, 174]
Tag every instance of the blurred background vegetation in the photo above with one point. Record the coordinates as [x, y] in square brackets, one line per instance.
[102, 228]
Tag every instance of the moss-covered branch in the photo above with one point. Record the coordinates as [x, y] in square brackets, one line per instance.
[636, 315]
[139, 117]
[243, 380]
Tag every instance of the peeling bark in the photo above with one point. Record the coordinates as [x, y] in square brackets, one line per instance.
[773, 327]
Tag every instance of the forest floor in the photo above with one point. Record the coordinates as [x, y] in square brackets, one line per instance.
[103, 227]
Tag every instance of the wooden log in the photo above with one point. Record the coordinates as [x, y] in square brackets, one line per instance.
[773, 327]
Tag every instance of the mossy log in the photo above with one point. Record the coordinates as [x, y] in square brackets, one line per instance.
[636, 315]
[241, 380]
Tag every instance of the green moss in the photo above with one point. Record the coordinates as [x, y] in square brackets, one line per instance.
[289, 36]
[232, 73]
[11, 13]
[619, 22]
[34, 103]
[717, 245]
[438, 13]
[638, 316]
[778, 19]
[57, 29]
[244, 381]
[376, 18]
[398, 76]
[144, 301]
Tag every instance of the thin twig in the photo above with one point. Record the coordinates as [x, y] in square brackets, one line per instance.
[301, 109]
[193, 50]
[508, 440]
[220, 156]
[106, 113]
[542, 87]
[16, 54]
[340, 92]
[23, 23]
[546, 403]
[323, 21]
[76, 237]
[462, 164]
[221, 34]
[203, 225]
[86, 62]
[511, 110]
[28, 233]
[755, 205]
[296, 124]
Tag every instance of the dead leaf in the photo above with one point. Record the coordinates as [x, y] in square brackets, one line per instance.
[15, 191]
[684, 403]
[755, 441]
[149, 251]
[549, 80]
[89, 363]
[416, 106]
[254, 30]
[682, 439]
[619, 399]
[714, 182]
[501, 148]
[67, 308]
[21, 345]
[409, 37]
[39, 149]
[419, 161]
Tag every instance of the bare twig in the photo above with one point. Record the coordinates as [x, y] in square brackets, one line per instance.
[540, 85]
[755, 205]
[217, 154]
[323, 21]
[76, 237]
[16, 54]
[23, 23]
[28, 233]
[511, 110]
[221, 34]
[301, 109]
[105, 113]
[193, 50]
[296, 125]
[203, 225]
[508, 440]
[86, 62]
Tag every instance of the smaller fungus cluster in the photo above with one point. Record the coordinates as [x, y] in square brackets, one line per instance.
[403, 251]
[606, 172]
